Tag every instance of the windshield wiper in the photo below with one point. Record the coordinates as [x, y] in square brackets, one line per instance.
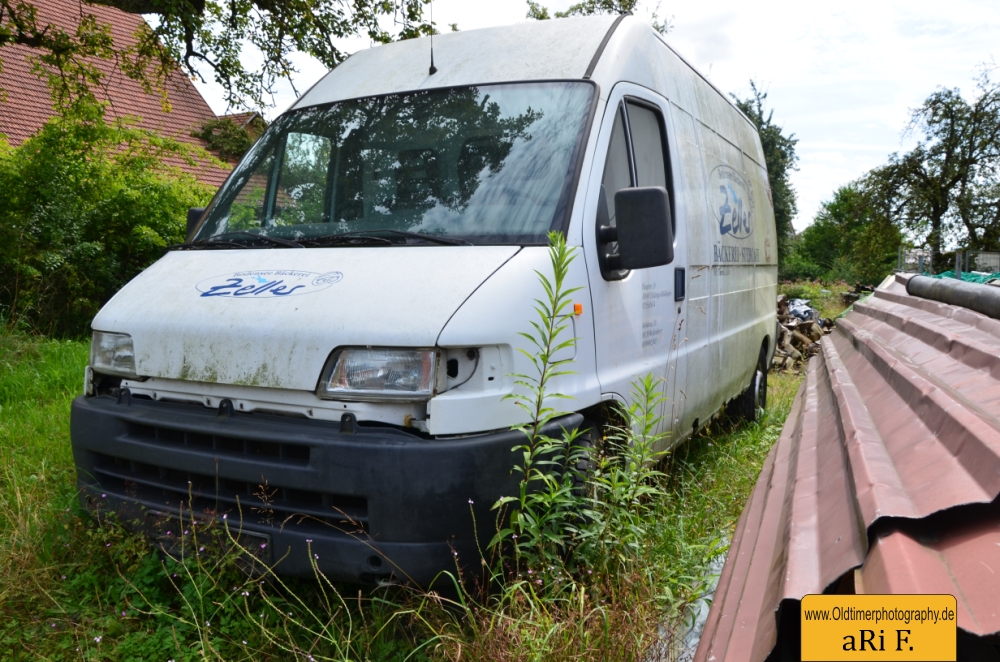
[288, 243]
[360, 237]
[357, 238]
[220, 241]
[207, 243]
[448, 241]
[346, 237]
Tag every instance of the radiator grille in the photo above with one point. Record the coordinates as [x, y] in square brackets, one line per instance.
[256, 501]
[292, 453]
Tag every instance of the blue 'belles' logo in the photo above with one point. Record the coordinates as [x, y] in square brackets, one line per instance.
[263, 284]
[732, 202]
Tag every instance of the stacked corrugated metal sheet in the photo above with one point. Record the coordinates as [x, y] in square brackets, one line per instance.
[884, 480]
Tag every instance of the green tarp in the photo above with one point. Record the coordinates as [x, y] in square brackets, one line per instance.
[966, 276]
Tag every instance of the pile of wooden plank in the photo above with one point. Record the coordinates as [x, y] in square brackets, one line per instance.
[800, 329]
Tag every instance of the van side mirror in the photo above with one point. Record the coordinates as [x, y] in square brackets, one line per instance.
[194, 215]
[643, 227]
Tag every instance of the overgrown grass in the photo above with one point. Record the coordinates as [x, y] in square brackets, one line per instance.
[75, 587]
[710, 478]
[37, 381]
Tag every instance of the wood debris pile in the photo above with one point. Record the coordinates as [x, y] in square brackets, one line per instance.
[800, 329]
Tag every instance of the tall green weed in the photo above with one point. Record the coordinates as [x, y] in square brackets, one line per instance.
[542, 520]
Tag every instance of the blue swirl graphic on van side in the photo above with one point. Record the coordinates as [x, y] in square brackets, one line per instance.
[263, 284]
[732, 202]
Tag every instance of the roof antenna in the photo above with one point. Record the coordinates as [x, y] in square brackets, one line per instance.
[433, 69]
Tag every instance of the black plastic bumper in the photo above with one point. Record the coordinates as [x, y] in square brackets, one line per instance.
[374, 502]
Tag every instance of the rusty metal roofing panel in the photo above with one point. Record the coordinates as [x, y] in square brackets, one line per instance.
[963, 562]
[889, 462]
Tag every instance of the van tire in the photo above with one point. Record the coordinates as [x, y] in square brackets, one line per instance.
[754, 399]
[748, 404]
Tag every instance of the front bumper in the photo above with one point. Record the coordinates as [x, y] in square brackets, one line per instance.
[375, 503]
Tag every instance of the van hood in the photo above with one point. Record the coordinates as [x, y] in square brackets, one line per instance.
[271, 317]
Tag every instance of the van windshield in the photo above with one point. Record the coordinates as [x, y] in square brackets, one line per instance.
[491, 164]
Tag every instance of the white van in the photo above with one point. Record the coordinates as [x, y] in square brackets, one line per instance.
[332, 347]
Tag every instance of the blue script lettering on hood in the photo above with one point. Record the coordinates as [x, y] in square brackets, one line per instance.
[267, 283]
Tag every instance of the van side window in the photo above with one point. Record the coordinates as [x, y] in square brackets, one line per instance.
[617, 169]
[636, 157]
[647, 145]
[618, 174]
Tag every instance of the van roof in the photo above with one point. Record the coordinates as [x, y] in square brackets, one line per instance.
[561, 49]
[535, 50]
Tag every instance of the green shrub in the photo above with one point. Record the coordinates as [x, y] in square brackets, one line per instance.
[798, 267]
[229, 139]
[850, 240]
[85, 205]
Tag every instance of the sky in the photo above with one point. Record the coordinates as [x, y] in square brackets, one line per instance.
[841, 76]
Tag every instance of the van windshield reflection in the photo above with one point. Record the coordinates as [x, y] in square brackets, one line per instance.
[491, 164]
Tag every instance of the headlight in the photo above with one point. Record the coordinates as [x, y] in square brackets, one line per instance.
[379, 374]
[112, 353]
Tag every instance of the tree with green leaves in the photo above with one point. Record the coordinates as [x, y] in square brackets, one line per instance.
[539, 12]
[780, 157]
[851, 239]
[945, 191]
[947, 188]
[596, 7]
[205, 36]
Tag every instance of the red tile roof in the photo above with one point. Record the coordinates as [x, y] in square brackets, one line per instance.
[241, 119]
[28, 103]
